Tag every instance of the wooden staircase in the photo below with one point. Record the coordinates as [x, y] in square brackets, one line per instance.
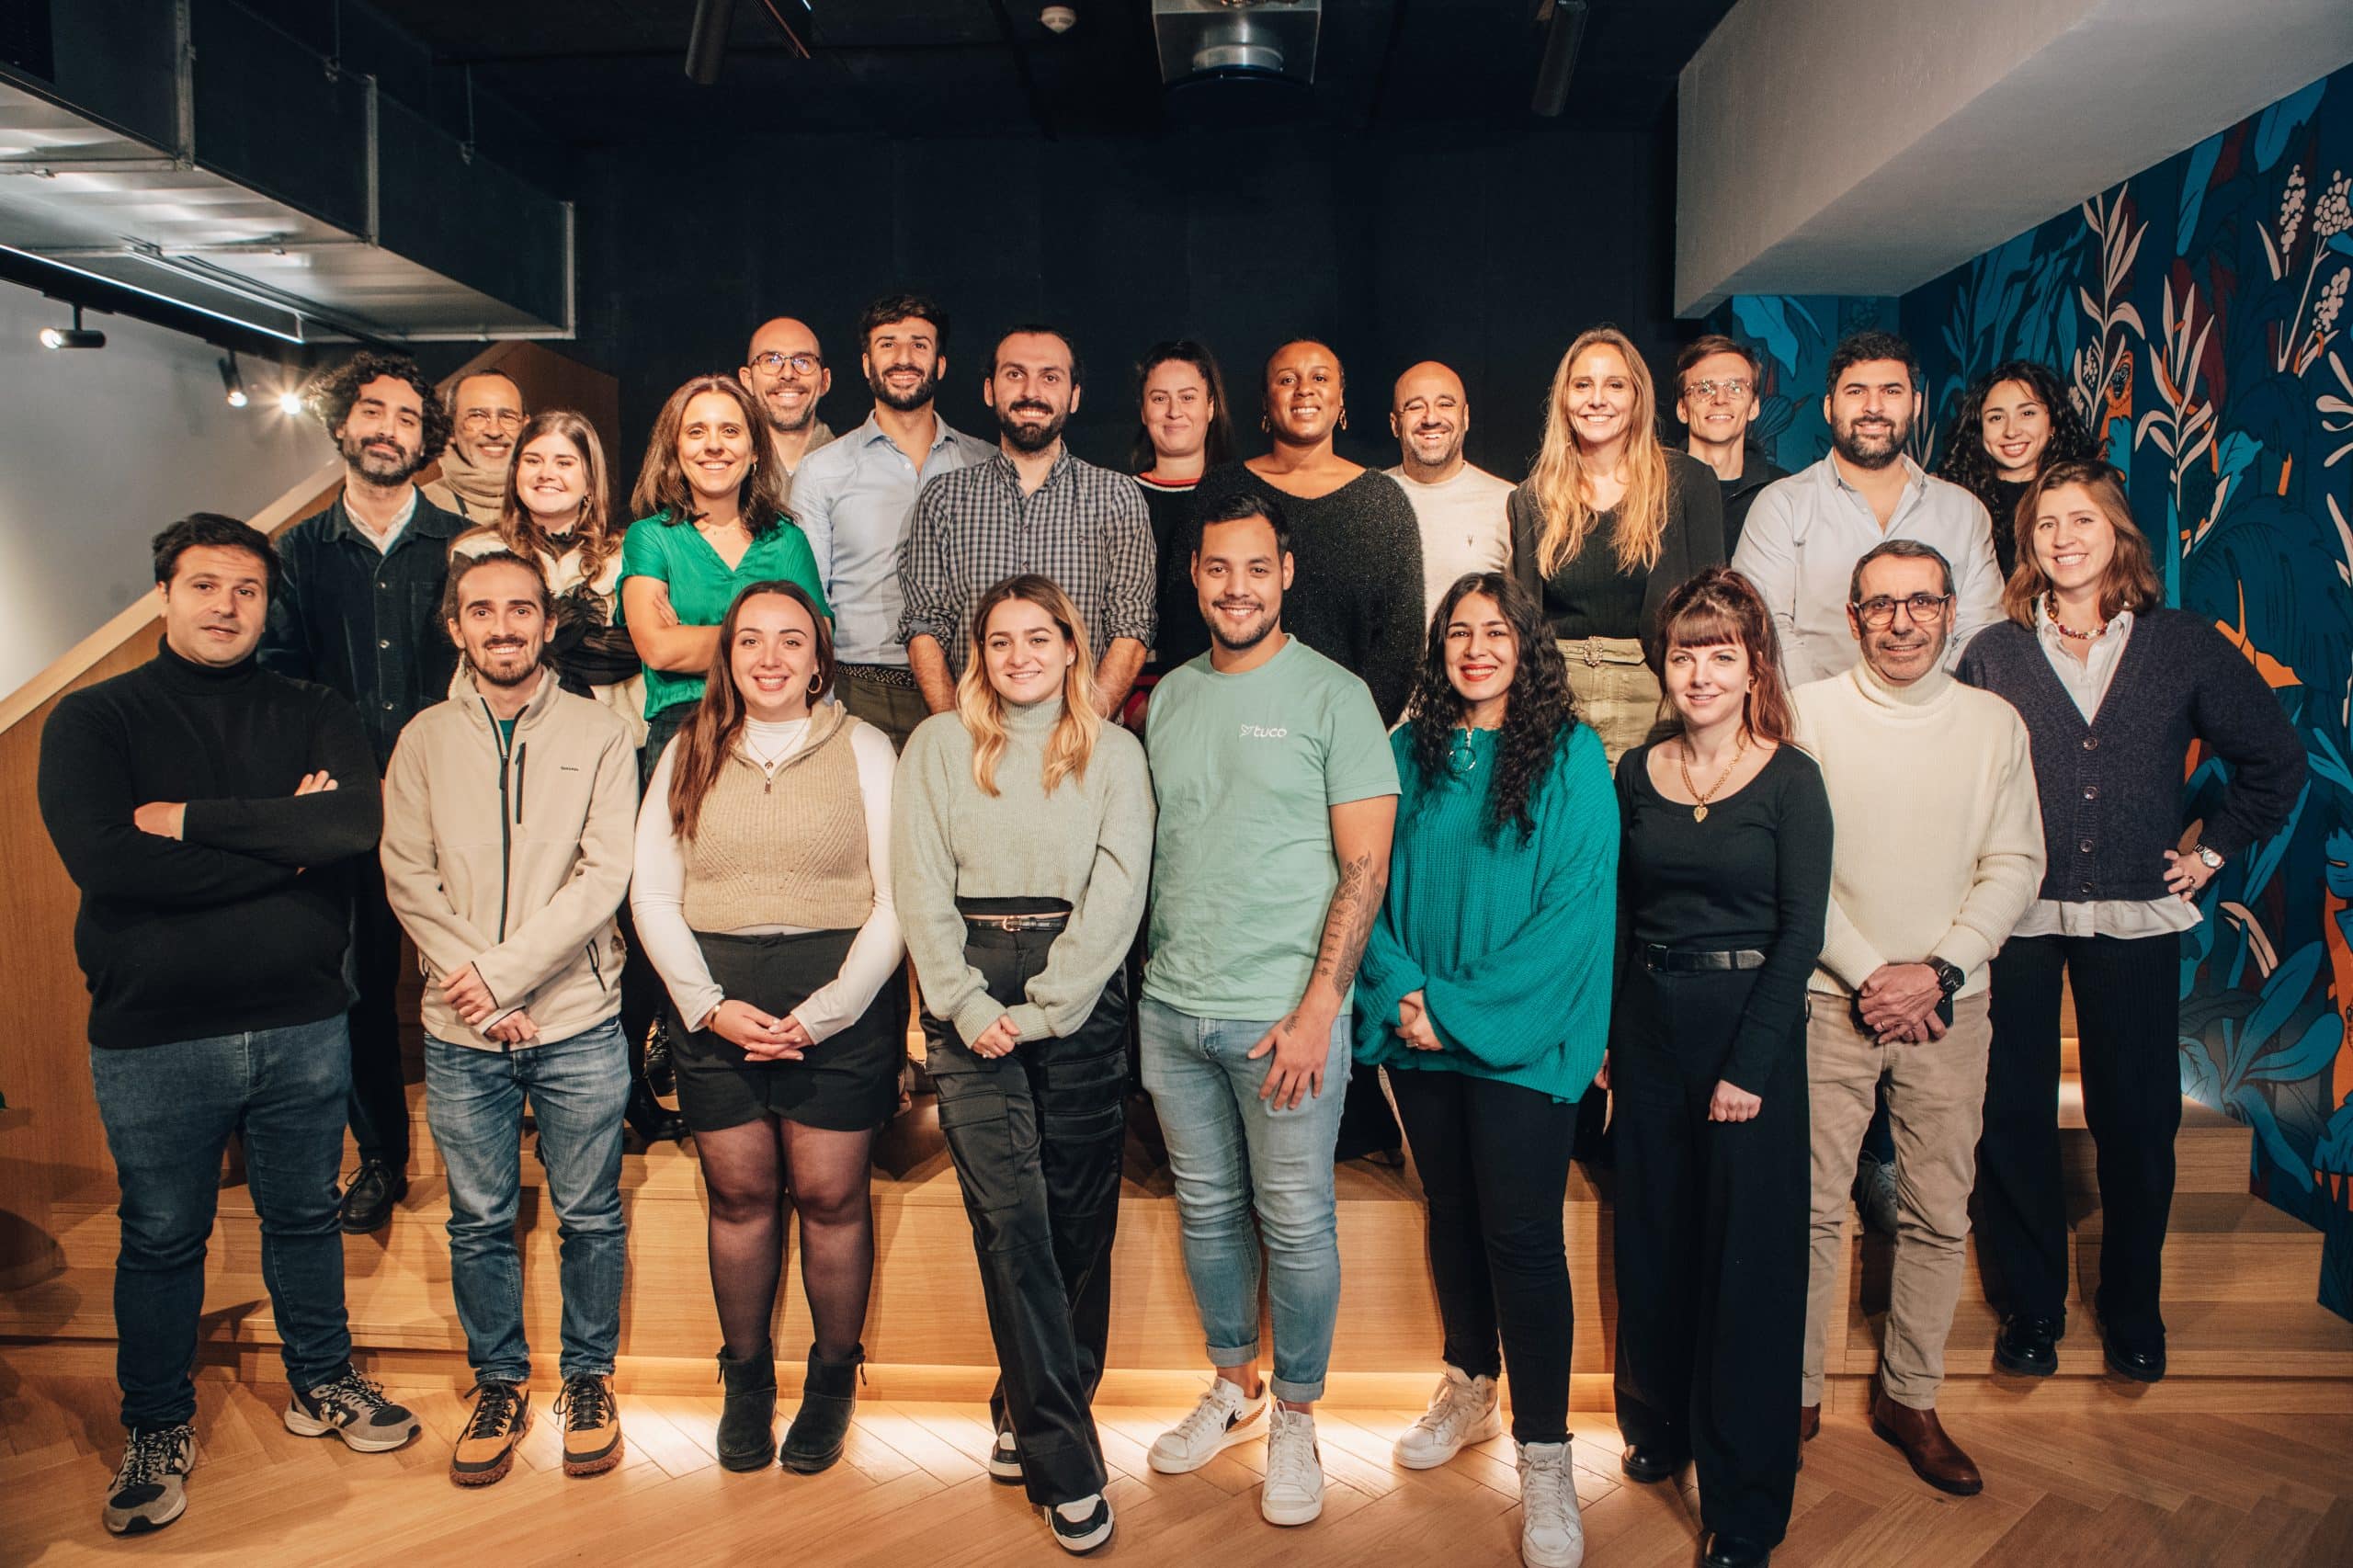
[2245, 1333]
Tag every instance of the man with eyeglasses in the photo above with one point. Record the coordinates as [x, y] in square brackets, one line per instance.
[1716, 396]
[1805, 533]
[488, 415]
[1938, 852]
[785, 369]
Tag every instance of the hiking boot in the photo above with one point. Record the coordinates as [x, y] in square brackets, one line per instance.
[353, 1408]
[592, 1426]
[149, 1490]
[485, 1450]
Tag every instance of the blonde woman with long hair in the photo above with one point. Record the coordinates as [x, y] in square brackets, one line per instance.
[1606, 525]
[1021, 840]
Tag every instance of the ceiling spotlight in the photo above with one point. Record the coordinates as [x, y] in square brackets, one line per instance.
[233, 383]
[74, 336]
[1058, 19]
[289, 401]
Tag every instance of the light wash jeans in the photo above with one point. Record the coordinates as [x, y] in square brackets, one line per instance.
[1231, 1152]
[474, 1101]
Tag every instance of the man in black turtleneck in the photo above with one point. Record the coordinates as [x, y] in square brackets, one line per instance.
[207, 808]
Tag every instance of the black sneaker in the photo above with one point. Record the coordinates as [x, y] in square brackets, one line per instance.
[2029, 1347]
[1078, 1537]
[149, 1489]
[1005, 1460]
[353, 1408]
[368, 1201]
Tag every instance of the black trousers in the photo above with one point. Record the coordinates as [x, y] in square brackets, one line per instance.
[2127, 1009]
[378, 1107]
[1493, 1160]
[1036, 1137]
[1711, 1248]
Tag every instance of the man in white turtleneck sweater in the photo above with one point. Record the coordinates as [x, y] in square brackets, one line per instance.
[1938, 853]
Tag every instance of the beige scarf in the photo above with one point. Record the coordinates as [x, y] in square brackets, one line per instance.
[468, 489]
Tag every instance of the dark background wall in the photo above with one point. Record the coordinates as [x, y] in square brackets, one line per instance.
[1489, 254]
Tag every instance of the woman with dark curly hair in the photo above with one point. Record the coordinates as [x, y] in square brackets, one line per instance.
[1485, 991]
[2014, 422]
[1725, 881]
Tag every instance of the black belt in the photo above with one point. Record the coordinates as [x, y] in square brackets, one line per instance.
[1694, 960]
[1019, 922]
[881, 674]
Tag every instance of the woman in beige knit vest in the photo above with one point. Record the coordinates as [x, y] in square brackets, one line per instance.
[1021, 847]
[762, 895]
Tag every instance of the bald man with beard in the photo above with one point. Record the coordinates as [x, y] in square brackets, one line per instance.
[1461, 509]
[785, 369]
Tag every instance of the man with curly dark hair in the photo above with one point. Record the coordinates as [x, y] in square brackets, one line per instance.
[2014, 421]
[358, 610]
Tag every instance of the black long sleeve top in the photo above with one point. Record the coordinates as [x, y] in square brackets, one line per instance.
[242, 922]
[1756, 873]
[1356, 592]
[1589, 597]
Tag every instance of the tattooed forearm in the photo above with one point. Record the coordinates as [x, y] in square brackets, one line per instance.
[1364, 880]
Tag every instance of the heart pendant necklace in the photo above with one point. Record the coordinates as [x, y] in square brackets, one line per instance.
[1699, 812]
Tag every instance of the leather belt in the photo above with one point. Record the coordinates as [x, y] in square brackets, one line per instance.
[880, 674]
[1018, 921]
[1695, 960]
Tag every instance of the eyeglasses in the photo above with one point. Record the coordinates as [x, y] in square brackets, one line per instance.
[1925, 609]
[774, 363]
[1706, 391]
[476, 420]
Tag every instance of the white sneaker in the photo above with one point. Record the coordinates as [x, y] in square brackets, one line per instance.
[1551, 1532]
[1293, 1493]
[1462, 1412]
[1225, 1417]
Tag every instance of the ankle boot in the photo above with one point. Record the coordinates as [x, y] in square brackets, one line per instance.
[828, 1397]
[747, 1422]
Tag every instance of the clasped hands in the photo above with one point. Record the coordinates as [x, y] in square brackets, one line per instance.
[765, 1036]
[1898, 1004]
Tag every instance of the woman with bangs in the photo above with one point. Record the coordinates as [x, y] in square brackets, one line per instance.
[1485, 991]
[2115, 689]
[1605, 524]
[1021, 845]
[762, 893]
[1724, 886]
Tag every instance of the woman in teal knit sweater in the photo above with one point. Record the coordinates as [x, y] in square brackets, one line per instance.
[1485, 992]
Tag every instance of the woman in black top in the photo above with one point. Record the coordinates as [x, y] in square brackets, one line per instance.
[2114, 689]
[1182, 431]
[2014, 421]
[1357, 596]
[1606, 523]
[1725, 882]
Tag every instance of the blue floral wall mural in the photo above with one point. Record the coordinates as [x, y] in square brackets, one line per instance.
[2198, 314]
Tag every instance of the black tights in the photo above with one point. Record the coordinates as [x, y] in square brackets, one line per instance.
[751, 1173]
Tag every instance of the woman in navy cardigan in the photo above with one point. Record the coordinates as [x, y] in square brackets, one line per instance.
[2114, 688]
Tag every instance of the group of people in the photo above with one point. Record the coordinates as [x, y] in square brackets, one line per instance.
[835, 700]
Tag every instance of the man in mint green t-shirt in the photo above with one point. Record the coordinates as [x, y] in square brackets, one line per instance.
[1277, 797]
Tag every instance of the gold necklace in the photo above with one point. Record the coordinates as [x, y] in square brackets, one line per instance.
[1699, 812]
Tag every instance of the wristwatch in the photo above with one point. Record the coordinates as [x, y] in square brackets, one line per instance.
[2207, 857]
[1949, 976]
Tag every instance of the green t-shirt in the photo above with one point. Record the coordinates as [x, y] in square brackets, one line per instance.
[701, 588]
[1247, 768]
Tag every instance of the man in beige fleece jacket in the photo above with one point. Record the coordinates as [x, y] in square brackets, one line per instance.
[1938, 853]
[509, 815]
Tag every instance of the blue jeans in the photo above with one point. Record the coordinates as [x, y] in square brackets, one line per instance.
[169, 1111]
[474, 1101]
[1231, 1151]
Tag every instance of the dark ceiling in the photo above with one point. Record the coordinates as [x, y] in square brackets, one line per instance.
[596, 73]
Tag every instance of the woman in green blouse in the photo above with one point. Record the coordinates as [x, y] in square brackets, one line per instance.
[711, 520]
[1485, 992]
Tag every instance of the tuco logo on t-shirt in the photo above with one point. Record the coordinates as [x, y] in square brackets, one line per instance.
[1261, 732]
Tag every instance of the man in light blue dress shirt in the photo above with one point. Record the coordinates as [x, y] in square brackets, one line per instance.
[856, 498]
[1805, 533]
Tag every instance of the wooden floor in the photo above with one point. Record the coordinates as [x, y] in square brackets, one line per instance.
[2127, 1488]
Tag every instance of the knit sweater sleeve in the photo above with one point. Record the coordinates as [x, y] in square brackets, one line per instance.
[1802, 843]
[309, 831]
[875, 951]
[1389, 971]
[1526, 530]
[2239, 719]
[1547, 989]
[1389, 618]
[657, 897]
[1694, 540]
[922, 865]
[2009, 859]
[1091, 947]
[1847, 956]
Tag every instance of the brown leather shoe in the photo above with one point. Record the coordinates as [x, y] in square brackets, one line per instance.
[1936, 1458]
[1809, 1423]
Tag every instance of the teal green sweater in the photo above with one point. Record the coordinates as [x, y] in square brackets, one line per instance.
[1508, 940]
